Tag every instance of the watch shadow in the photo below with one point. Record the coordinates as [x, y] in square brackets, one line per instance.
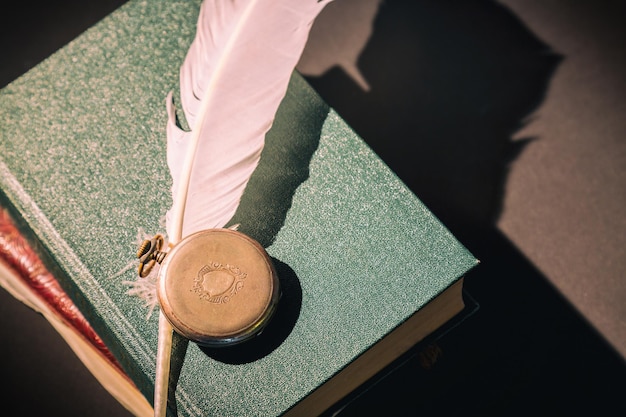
[277, 330]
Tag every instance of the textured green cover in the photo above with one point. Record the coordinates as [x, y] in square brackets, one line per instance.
[82, 163]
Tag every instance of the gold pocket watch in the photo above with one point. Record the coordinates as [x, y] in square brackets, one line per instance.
[217, 287]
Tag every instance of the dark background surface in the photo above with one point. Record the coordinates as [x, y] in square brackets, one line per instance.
[443, 116]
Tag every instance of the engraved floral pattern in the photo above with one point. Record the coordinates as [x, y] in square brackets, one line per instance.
[217, 283]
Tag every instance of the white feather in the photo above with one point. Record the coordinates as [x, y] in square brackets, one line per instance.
[232, 81]
[233, 78]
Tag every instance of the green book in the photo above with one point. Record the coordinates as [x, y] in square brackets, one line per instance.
[367, 270]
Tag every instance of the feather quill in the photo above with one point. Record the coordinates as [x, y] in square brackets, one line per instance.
[232, 81]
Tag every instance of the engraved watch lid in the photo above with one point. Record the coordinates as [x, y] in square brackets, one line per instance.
[218, 287]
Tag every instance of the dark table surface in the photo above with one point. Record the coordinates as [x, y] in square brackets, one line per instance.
[506, 119]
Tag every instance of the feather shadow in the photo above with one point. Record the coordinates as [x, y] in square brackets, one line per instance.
[179, 351]
[284, 164]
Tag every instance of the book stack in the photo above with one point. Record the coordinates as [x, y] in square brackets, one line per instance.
[367, 270]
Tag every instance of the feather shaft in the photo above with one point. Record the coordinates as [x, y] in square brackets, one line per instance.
[164, 349]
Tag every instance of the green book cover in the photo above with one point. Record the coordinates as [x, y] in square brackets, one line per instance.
[82, 166]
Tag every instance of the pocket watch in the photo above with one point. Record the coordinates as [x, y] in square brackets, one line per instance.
[217, 287]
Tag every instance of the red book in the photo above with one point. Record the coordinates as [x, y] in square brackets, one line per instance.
[23, 275]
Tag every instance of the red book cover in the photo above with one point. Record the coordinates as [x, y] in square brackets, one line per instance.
[17, 254]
